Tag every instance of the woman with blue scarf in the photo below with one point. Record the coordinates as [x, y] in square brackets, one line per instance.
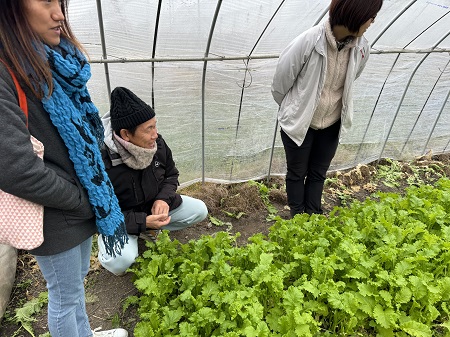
[38, 46]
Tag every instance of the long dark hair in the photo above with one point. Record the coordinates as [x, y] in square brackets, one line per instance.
[23, 50]
[352, 14]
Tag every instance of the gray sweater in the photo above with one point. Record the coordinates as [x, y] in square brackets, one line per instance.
[68, 217]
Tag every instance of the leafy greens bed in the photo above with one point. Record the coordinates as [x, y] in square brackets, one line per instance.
[378, 267]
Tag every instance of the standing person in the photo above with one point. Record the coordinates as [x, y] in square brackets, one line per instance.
[313, 85]
[145, 178]
[37, 44]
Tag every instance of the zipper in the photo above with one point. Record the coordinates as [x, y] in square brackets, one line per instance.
[154, 176]
[134, 190]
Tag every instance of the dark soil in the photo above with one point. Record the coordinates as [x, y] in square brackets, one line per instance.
[234, 208]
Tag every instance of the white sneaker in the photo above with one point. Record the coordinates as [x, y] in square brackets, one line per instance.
[110, 333]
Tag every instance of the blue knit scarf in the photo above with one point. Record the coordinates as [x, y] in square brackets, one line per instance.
[78, 122]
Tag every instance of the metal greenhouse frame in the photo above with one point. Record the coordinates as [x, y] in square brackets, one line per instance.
[404, 62]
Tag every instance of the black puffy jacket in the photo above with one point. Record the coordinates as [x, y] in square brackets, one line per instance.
[137, 190]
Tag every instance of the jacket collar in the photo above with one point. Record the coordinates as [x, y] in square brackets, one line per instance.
[321, 41]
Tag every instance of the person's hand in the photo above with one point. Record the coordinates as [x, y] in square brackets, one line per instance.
[156, 221]
[160, 207]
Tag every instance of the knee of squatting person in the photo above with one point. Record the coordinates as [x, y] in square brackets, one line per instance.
[190, 212]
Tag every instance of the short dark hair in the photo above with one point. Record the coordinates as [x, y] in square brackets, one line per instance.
[132, 131]
[352, 14]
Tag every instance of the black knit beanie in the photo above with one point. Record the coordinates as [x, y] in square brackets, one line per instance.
[128, 110]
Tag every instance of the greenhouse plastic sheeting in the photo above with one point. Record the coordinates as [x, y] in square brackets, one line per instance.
[206, 67]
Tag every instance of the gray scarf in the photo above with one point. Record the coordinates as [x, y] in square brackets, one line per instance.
[135, 157]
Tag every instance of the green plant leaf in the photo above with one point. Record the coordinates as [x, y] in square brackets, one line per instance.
[416, 329]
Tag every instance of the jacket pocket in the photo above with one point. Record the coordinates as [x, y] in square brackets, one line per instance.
[82, 212]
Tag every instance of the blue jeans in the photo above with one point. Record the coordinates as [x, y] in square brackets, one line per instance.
[64, 274]
[190, 212]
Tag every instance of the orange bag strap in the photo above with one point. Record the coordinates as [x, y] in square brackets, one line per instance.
[22, 97]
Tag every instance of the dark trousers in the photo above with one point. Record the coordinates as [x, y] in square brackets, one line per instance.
[307, 166]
